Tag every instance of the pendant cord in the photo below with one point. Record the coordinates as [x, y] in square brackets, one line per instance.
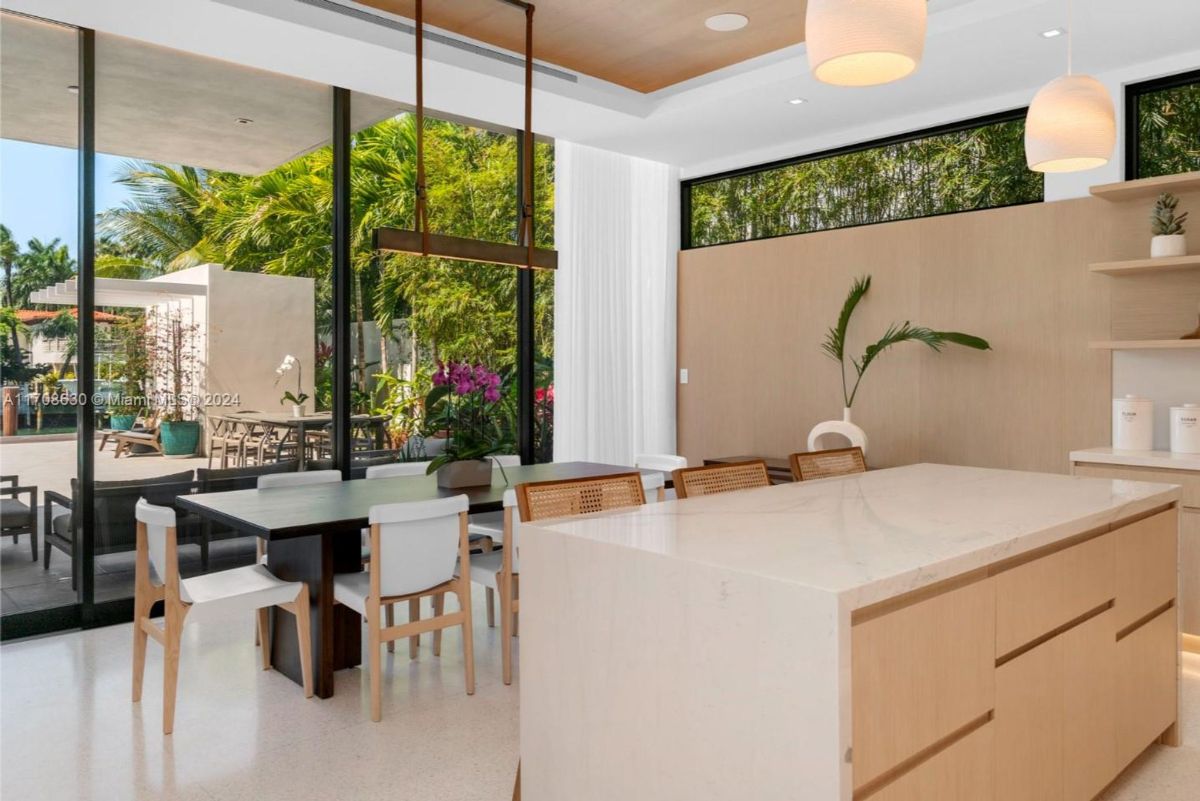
[1070, 36]
[421, 212]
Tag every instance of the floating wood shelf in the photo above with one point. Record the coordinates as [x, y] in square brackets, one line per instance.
[1148, 187]
[1146, 344]
[1147, 266]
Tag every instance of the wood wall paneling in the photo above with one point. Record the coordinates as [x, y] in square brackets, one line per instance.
[752, 316]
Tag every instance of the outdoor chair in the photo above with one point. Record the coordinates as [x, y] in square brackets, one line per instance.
[18, 517]
[114, 519]
[151, 438]
[107, 433]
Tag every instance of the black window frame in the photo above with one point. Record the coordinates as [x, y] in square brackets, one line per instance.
[685, 186]
[1133, 92]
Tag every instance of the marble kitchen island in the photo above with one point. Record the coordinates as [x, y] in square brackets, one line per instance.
[923, 633]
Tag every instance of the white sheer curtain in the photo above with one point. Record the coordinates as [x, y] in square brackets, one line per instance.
[616, 228]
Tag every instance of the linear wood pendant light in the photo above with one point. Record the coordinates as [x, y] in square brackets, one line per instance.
[423, 243]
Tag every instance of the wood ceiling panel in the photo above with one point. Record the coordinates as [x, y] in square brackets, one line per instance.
[642, 44]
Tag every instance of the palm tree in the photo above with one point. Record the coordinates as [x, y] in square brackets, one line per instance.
[42, 264]
[64, 325]
[9, 252]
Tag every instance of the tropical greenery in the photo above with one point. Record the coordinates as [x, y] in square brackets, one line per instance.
[1169, 131]
[976, 168]
[835, 339]
[462, 406]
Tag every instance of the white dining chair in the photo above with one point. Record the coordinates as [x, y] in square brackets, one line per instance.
[397, 469]
[249, 589]
[415, 549]
[491, 524]
[666, 462]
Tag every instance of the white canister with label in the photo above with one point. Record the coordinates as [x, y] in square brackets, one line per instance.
[1185, 428]
[1133, 424]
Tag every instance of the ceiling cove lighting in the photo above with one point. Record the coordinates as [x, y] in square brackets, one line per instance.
[724, 23]
[1071, 124]
[864, 42]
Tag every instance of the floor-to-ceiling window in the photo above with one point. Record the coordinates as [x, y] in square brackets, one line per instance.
[39, 248]
[1163, 126]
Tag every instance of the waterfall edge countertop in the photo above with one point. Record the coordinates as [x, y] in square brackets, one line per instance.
[844, 638]
[876, 535]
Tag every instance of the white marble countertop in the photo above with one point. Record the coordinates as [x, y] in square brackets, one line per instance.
[870, 537]
[1162, 460]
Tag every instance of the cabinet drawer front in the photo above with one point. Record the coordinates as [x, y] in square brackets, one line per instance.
[1029, 724]
[1147, 685]
[919, 674]
[964, 771]
[1035, 598]
[1148, 559]
[1189, 572]
[1089, 716]
[1189, 481]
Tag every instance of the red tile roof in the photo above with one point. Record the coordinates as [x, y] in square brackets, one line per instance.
[31, 316]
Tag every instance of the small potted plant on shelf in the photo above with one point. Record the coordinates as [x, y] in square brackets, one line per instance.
[464, 403]
[298, 397]
[1168, 230]
[173, 360]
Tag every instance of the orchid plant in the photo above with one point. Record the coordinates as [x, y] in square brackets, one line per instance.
[464, 405]
[288, 364]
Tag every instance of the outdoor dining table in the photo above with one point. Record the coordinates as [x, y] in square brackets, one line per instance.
[313, 532]
[311, 422]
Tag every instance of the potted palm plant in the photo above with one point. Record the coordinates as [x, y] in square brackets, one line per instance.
[174, 365]
[835, 347]
[464, 403]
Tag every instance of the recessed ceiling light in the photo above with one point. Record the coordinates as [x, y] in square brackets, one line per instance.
[243, 121]
[1052, 33]
[727, 22]
[73, 89]
[796, 101]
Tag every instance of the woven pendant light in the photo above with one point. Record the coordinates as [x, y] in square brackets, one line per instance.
[1071, 124]
[864, 42]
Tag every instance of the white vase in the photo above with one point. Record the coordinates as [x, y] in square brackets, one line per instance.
[297, 410]
[1167, 246]
[837, 434]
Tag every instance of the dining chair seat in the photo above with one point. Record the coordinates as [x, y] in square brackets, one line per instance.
[485, 568]
[487, 524]
[241, 588]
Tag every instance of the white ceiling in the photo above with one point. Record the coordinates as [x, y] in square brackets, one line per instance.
[981, 56]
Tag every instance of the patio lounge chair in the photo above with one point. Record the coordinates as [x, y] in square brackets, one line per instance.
[151, 437]
[111, 433]
[17, 517]
[116, 529]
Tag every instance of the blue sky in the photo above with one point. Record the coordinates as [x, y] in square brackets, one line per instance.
[37, 190]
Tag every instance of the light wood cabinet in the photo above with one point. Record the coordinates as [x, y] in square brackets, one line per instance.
[1147, 552]
[1089, 715]
[964, 771]
[1147, 685]
[1035, 598]
[919, 674]
[1189, 571]
[1187, 480]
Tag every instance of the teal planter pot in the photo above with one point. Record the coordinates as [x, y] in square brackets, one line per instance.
[121, 422]
[180, 438]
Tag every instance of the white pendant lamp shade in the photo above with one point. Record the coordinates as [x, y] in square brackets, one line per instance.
[1070, 126]
[864, 42]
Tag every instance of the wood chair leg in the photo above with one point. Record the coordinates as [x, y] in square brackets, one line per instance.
[506, 627]
[264, 636]
[468, 632]
[373, 660]
[304, 639]
[139, 648]
[439, 606]
[414, 614]
[490, 600]
[391, 621]
[170, 674]
[516, 796]
[516, 593]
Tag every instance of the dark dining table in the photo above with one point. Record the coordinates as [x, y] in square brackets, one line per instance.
[313, 532]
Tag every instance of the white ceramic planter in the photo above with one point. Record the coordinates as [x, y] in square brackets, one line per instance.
[836, 434]
[1162, 247]
[298, 410]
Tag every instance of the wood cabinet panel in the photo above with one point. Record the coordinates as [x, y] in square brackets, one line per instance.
[1029, 724]
[1148, 554]
[1190, 482]
[1037, 597]
[1089, 717]
[919, 674]
[1147, 676]
[1189, 571]
[964, 771]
